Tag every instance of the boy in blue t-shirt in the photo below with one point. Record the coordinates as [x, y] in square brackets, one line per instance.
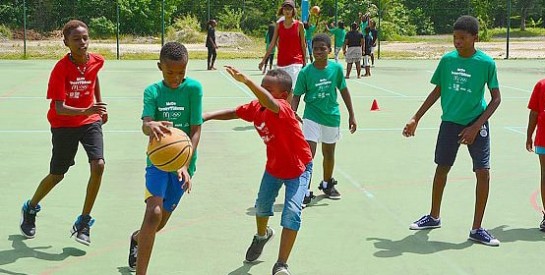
[176, 101]
[460, 79]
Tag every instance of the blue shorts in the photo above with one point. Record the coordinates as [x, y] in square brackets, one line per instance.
[448, 144]
[540, 150]
[296, 189]
[165, 185]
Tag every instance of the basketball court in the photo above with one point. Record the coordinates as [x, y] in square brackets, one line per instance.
[385, 180]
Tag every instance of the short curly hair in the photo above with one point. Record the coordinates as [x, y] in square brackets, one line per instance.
[467, 23]
[284, 79]
[322, 37]
[174, 51]
[71, 25]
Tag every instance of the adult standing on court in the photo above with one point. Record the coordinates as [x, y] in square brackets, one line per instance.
[289, 35]
[211, 44]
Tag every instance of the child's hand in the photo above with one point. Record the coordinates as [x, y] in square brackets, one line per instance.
[529, 145]
[159, 128]
[104, 118]
[468, 134]
[410, 128]
[237, 75]
[97, 108]
[352, 125]
[185, 178]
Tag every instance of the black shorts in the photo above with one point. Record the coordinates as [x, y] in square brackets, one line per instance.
[448, 144]
[65, 145]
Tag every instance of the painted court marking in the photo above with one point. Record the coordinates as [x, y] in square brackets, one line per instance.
[379, 88]
[240, 87]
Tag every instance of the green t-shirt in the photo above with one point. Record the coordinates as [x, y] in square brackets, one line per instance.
[268, 42]
[462, 81]
[339, 36]
[181, 106]
[310, 32]
[320, 89]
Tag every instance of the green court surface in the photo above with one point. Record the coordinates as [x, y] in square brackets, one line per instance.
[385, 180]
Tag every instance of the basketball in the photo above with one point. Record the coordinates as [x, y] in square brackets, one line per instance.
[315, 10]
[171, 152]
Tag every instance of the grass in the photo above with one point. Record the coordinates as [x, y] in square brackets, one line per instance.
[517, 33]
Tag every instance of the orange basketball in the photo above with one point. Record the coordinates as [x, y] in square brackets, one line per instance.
[171, 152]
[315, 10]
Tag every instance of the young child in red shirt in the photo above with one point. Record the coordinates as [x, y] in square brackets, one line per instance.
[289, 160]
[76, 115]
[537, 119]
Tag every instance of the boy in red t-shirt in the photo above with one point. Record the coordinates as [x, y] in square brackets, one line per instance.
[76, 115]
[536, 118]
[289, 160]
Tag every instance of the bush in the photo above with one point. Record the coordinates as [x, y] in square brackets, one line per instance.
[185, 30]
[101, 27]
[5, 32]
[229, 19]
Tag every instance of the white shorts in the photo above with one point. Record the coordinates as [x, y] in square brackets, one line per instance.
[316, 132]
[293, 70]
[366, 61]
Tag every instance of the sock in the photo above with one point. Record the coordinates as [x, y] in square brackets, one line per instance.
[324, 184]
[308, 193]
[473, 231]
[261, 237]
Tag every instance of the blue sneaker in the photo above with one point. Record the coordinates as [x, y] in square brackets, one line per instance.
[28, 220]
[482, 236]
[82, 229]
[426, 222]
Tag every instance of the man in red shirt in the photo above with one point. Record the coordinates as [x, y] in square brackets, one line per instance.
[76, 115]
[289, 160]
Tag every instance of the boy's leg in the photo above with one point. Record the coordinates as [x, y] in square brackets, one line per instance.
[348, 69]
[146, 237]
[286, 244]
[542, 182]
[93, 143]
[93, 186]
[358, 69]
[328, 152]
[439, 182]
[481, 196]
[46, 185]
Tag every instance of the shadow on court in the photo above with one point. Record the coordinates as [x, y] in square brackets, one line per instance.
[244, 269]
[21, 250]
[280, 206]
[517, 234]
[124, 270]
[417, 243]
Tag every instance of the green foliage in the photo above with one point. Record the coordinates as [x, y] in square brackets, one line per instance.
[529, 32]
[533, 23]
[5, 32]
[422, 22]
[185, 30]
[101, 27]
[230, 19]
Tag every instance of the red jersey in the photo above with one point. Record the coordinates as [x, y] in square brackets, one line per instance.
[289, 45]
[287, 150]
[537, 104]
[75, 85]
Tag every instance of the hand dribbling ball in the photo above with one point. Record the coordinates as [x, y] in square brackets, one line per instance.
[171, 152]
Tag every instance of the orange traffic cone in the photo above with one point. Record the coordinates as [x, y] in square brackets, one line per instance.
[375, 107]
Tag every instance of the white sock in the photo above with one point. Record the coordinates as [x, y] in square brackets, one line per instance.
[324, 184]
[308, 193]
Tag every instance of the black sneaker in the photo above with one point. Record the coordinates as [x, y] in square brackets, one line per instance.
[280, 269]
[255, 249]
[542, 225]
[330, 191]
[133, 252]
[28, 220]
[82, 229]
[308, 199]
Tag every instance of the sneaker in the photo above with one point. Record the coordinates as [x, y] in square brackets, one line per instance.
[133, 252]
[330, 191]
[542, 225]
[28, 220]
[255, 249]
[280, 269]
[308, 199]
[82, 229]
[426, 222]
[482, 236]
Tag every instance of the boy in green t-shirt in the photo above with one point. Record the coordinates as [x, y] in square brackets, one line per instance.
[175, 101]
[339, 34]
[321, 119]
[460, 78]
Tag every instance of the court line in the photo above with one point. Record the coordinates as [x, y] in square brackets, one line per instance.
[379, 88]
[240, 87]
[355, 183]
[514, 129]
[515, 88]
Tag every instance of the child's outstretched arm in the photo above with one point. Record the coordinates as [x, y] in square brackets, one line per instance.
[265, 98]
[225, 114]
[410, 127]
[352, 125]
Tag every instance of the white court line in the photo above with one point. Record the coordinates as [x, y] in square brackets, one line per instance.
[240, 87]
[515, 88]
[355, 183]
[514, 129]
[379, 88]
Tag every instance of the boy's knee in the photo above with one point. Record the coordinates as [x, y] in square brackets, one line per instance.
[97, 166]
[153, 215]
[56, 178]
